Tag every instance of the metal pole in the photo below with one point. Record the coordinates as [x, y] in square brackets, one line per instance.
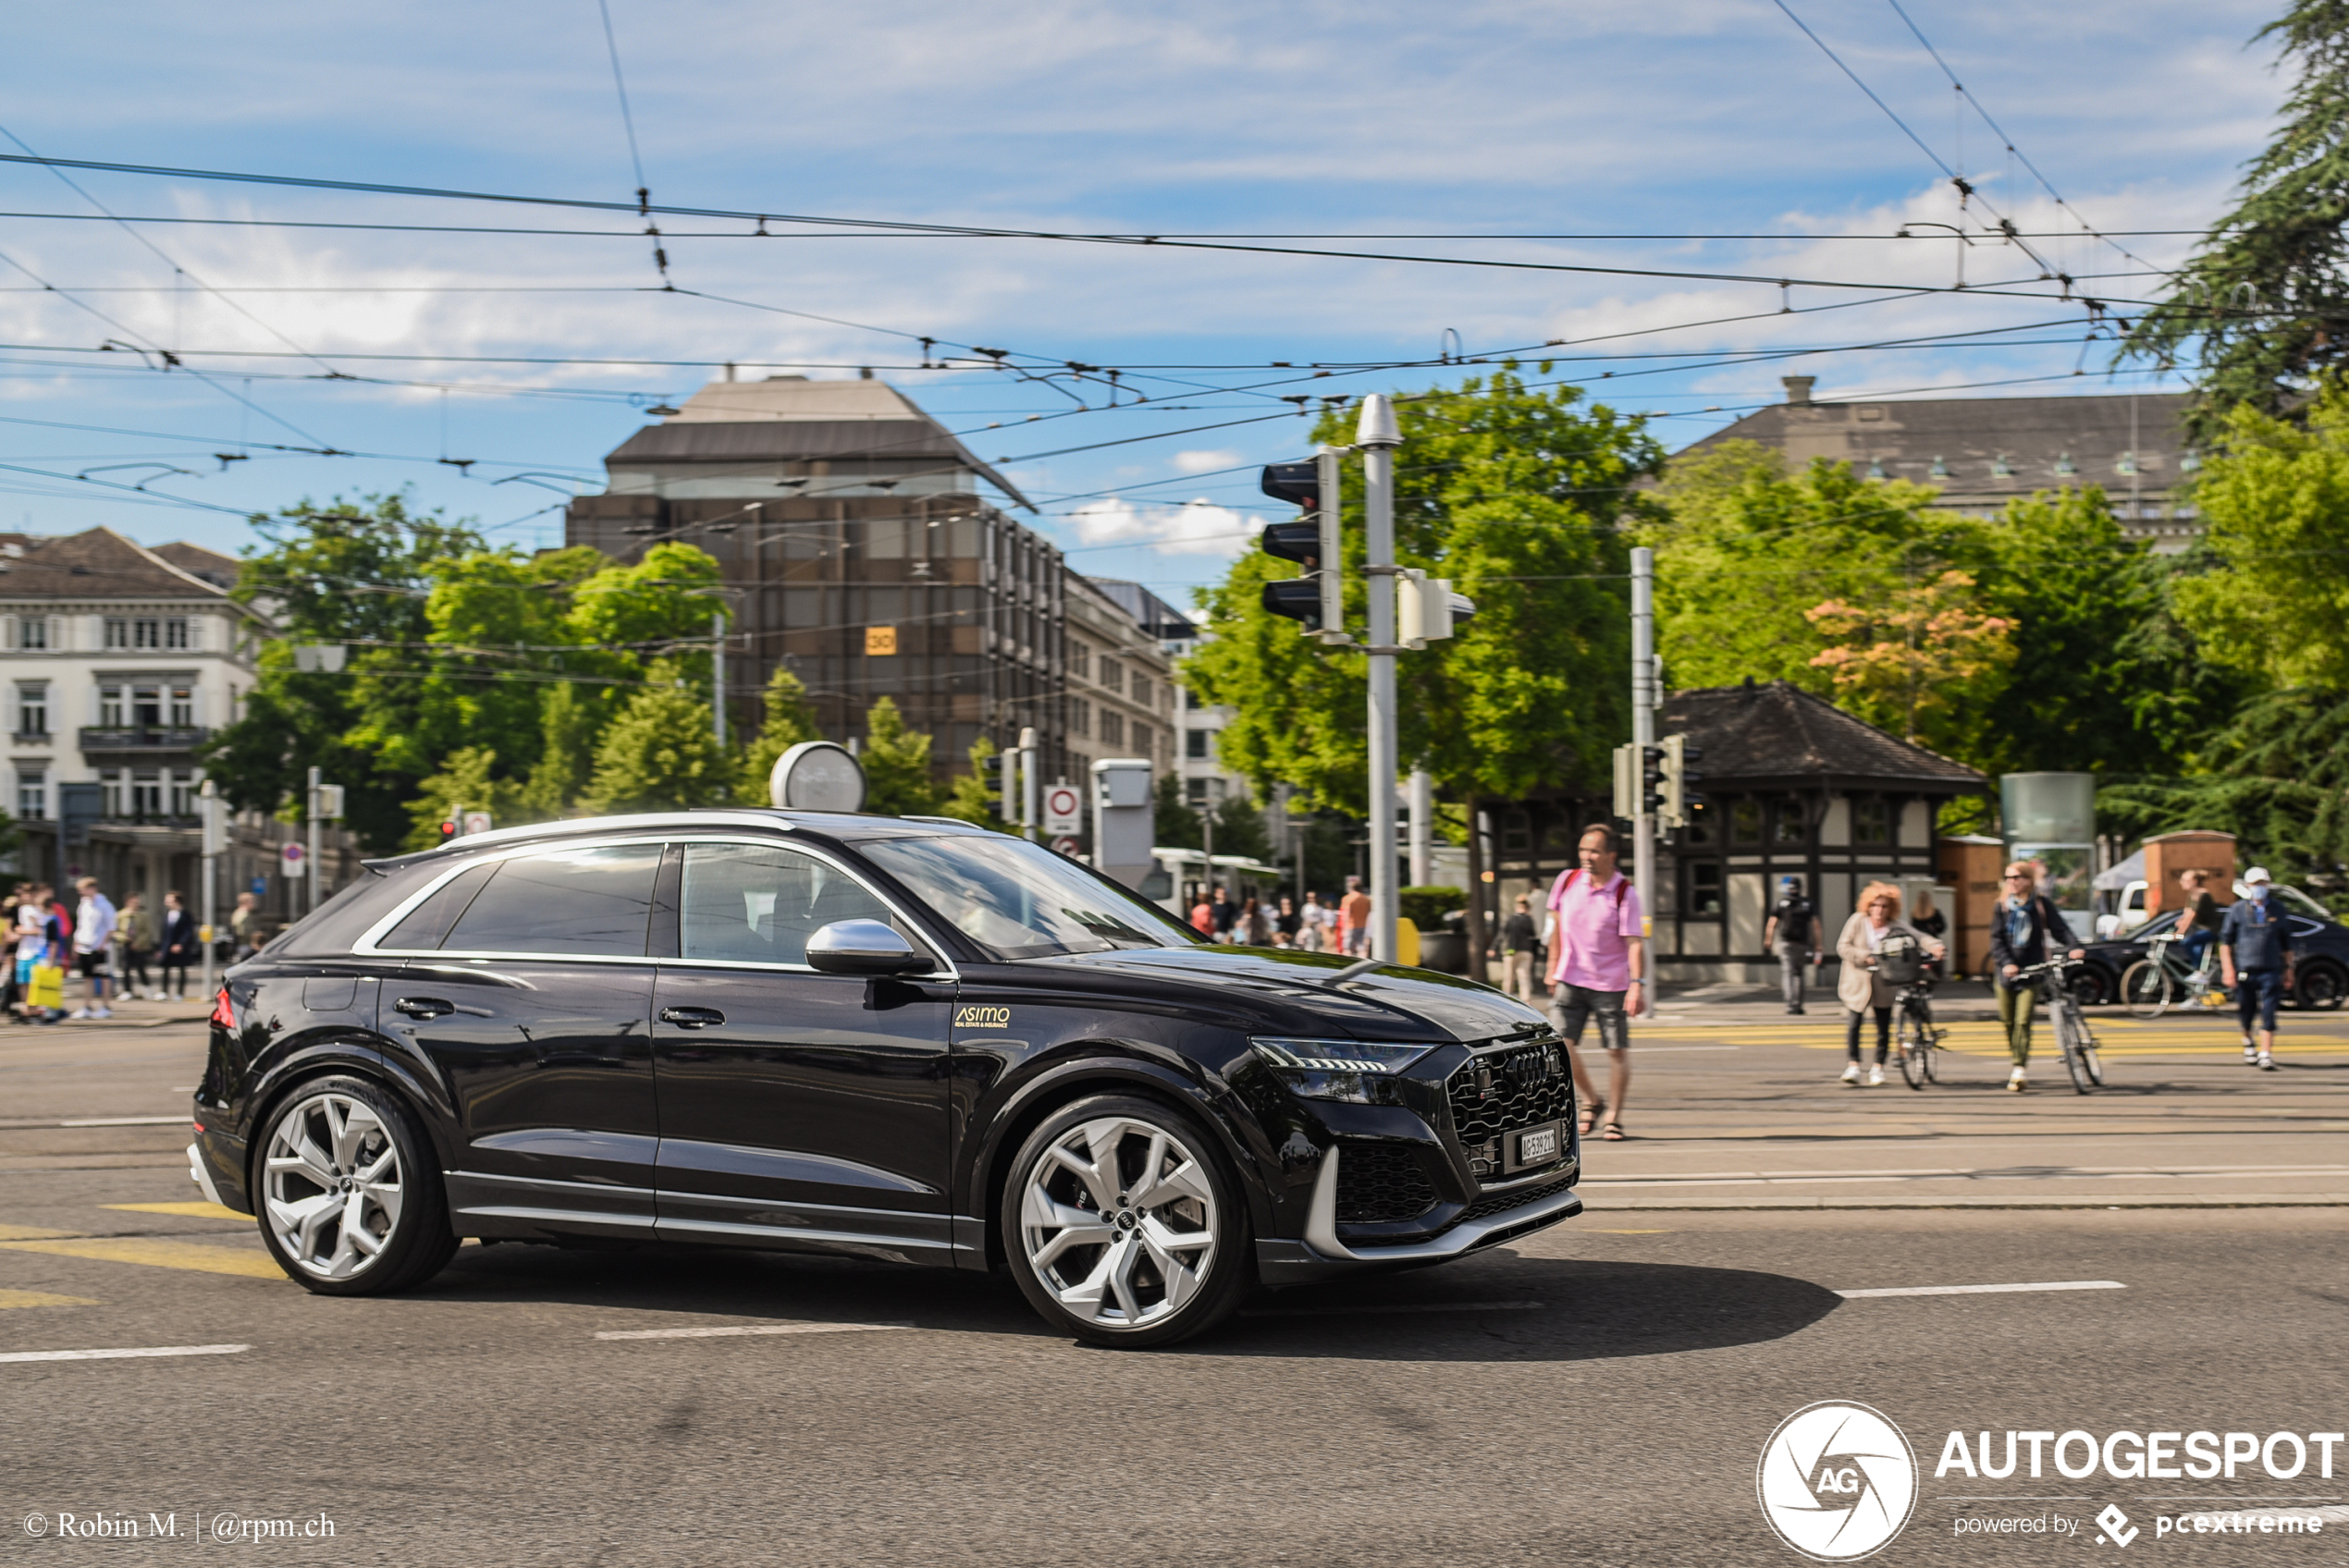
[1030, 792]
[1422, 827]
[310, 812]
[208, 801]
[1007, 764]
[1643, 736]
[717, 675]
[1328, 473]
[1378, 435]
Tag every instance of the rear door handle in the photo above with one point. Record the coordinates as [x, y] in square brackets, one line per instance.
[423, 1007]
[692, 1017]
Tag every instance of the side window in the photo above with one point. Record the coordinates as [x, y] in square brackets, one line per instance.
[758, 903]
[422, 927]
[591, 902]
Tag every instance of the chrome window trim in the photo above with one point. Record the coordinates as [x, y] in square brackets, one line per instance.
[367, 944]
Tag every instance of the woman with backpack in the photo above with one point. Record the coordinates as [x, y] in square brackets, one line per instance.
[1877, 945]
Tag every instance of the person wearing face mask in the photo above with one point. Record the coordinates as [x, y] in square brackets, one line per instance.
[2256, 949]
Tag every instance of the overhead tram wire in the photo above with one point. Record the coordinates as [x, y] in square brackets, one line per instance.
[636, 158]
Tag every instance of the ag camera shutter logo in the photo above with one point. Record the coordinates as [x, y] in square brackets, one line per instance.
[1837, 1481]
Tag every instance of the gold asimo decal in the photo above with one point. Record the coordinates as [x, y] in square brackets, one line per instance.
[982, 1018]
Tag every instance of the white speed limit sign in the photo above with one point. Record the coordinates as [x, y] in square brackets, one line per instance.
[1063, 808]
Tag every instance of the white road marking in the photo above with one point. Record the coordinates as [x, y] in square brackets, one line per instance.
[127, 1121]
[1986, 1290]
[120, 1354]
[1397, 1306]
[733, 1331]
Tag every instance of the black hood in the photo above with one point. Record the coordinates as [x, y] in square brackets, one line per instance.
[1344, 996]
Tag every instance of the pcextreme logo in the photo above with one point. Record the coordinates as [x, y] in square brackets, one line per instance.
[1837, 1481]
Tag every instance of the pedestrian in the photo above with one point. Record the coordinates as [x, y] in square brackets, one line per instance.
[1934, 924]
[1354, 920]
[1287, 924]
[1222, 911]
[1250, 927]
[2025, 928]
[135, 940]
[1203, 916]
[178, 946]
[1313, 925]
[1518, 944]
[1875, 939]
[1792, 932]
[1599, 968]
[39, 946]
[2199, 927]
[94, 926]
[243, 920]
[2256, 950]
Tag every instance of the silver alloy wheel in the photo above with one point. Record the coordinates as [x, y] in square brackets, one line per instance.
[330, 1187]
[1118, 1222]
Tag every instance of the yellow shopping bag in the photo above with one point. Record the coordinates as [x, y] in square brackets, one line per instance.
[49, 987]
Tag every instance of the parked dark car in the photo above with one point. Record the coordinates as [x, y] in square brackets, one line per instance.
[2320, 977]
[896, 1038]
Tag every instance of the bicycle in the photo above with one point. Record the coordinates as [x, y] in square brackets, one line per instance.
[2081, 1055]
[1915, 1037]
[2160, 980]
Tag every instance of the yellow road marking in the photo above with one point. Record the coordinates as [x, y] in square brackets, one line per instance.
[196, 1210]
[160, 1253]
[41, 1298]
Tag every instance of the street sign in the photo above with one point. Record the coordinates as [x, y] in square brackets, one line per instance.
[1064, 846]
[261, 886]
[474, 822]
[1063, 808]
[292, 854]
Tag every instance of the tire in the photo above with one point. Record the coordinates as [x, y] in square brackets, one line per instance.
[348, 1192]
[1151, 1272]
[1916, 1043]
[2093, 1060]
[2070, 1040]
[2146, 990]
[2321, 987]
[2089, 985]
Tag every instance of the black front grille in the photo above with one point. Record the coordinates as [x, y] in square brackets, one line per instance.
[1501, 1203]
[1376, 1183]
[1502, 1092]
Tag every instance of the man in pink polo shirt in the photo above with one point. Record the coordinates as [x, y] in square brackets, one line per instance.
[1601, 957]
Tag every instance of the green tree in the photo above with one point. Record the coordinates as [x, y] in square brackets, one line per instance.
[2264, 303]
[977, 793]
[467, 781]
[2277, 778]
[1239, 829]
[2275, 504]
[659, 753]
[896, 759]
[787, 718]
[1173, 822]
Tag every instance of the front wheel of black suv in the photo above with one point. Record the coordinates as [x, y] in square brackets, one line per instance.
[1123, 1224]
[350, 1196]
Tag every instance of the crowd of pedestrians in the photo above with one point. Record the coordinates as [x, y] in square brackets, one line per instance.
[1340, 926]
[115, 952]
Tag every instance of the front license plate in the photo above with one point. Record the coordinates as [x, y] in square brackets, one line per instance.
[1535, 1145]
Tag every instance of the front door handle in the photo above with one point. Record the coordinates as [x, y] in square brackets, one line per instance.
[423, 1007]
[692, 1017]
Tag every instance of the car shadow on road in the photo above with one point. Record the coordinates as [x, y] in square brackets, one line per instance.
[1498, 1305]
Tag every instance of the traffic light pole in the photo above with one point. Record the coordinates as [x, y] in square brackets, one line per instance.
[1378, 435]
[1644, 696]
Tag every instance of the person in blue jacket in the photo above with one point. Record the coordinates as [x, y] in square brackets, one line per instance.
[2256, 949]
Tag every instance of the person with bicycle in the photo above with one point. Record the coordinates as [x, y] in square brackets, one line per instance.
[2256, 950]
[1875, 943]
[2025, 928]
[2198, 927]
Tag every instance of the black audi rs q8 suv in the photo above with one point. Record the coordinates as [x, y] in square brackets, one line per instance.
[894, 1037]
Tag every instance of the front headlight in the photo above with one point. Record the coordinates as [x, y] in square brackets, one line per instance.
[1357, 1070]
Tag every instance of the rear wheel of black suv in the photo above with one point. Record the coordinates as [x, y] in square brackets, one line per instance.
[349, 1197]
[1123, 1224]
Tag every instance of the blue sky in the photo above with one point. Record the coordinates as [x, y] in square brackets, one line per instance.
[1487, 118]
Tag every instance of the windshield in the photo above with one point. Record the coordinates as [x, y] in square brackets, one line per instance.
[1018, 900]
[2301, 903]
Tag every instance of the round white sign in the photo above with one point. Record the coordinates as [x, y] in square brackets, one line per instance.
[292, 854]
[817, 776]
[1837, 1481]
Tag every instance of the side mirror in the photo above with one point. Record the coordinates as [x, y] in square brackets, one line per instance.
[862, 946]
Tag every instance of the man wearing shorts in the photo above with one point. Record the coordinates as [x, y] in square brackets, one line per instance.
[1600, 966]
[2256, 948]
[1354, 919]
[94, 926]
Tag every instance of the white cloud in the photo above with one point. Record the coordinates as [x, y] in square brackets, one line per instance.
[1195, 528]
[1204, 462]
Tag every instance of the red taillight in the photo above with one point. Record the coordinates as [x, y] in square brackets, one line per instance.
[199, 1126]
[222, 1014]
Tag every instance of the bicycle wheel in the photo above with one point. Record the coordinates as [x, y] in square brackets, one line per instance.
[2147, 988]
[2091, 1056]
[2070, 1039]
[1915, 1042]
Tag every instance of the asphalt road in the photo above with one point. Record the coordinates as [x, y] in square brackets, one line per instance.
[1598, 1393]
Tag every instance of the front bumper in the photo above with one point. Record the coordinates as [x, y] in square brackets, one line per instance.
[1321, 1255]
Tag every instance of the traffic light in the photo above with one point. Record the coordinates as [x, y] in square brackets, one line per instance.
[1313, 601]
[1627, 781]
[450, 828]
[1426, 609]
[1652, 779]
[1678, 776]
[1298, 482]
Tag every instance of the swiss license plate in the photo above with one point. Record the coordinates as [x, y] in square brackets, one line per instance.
[1535, 1145]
